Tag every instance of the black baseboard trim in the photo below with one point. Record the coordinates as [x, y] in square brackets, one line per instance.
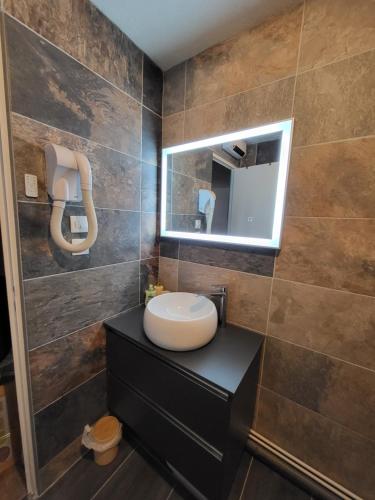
[297, 477]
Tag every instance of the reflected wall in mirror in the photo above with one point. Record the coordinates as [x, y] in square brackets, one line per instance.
[228, 189]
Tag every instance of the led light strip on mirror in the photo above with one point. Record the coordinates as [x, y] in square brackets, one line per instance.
[283, 130]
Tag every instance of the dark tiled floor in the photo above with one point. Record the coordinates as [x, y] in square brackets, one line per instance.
[135, 476]
[12, 484]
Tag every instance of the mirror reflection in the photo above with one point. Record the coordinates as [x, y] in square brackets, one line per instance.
[228, 189]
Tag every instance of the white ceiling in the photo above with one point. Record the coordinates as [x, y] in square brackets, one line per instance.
[170, 31]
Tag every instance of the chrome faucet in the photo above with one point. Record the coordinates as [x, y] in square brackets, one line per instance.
[222, 292]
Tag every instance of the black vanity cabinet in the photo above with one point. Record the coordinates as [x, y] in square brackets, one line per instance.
[192, 409]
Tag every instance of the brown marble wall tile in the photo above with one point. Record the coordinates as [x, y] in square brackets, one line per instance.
[196, 163]
[78, 357]
[86, 34]
[335, 102]
[333, 450]
[336, 29]
[149, 270]
[149, 235]
[247, 260]
[255, 57]
[116, 176]
[334, 253]
[333, 180]
[152, 85]
[336, 323]
[260, 106]
[174, 90]
[336, 389]
[168, 273]
[173, 130]
[151, 137]
[60, 423]
[248, 295]
[117, 241]
[62, 93]
[64, 303]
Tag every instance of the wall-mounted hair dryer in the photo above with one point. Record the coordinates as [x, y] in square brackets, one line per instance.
[69, 179]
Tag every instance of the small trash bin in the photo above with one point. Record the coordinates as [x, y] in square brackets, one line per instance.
[103, 438]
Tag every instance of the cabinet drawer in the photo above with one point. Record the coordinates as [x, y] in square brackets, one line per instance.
[171, 443]
[202, 408]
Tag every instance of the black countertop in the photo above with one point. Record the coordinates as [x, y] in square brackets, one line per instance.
[223, 362]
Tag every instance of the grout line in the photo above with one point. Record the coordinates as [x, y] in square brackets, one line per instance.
[84, 328]
[163, 95]
[260, 276]
[73, 205]
[184, 118]
[170, 494]
[336, 141]
[81, 138]
[263, 353]
[251, 89]
[325, 288]
[109, 479]
[187, 175]
[298, 54]
[271, 289]
[68, 334]
[194, 214]
[246, 478]
[246, 327]
[321, 415]
[81, 270]
[60, 49]
[178, 265]
[303, 146]
[329, 218]
[70, 391]
[62, 474]
[294, 75]
[140, 198]
[338, 60]
[321, 353]
[149, 109]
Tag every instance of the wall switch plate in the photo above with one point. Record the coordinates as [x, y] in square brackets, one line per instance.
[31, 186]
[78, 224]
[79, 240]
[197, 224]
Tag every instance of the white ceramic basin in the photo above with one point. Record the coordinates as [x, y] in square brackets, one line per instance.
[180, 321]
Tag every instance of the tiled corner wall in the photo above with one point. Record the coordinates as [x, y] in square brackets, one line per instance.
[76, 80]
[314, 301]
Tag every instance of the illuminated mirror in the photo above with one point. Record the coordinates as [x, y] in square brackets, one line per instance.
[228, 189]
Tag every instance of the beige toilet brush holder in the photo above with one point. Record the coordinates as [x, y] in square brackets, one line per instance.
[103, 438]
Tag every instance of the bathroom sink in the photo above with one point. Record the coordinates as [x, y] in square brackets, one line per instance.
[180, 321]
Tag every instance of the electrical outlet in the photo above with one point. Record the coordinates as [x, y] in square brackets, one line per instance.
[78, 224]
[197, 224]
[31, 186]
[75, 241]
